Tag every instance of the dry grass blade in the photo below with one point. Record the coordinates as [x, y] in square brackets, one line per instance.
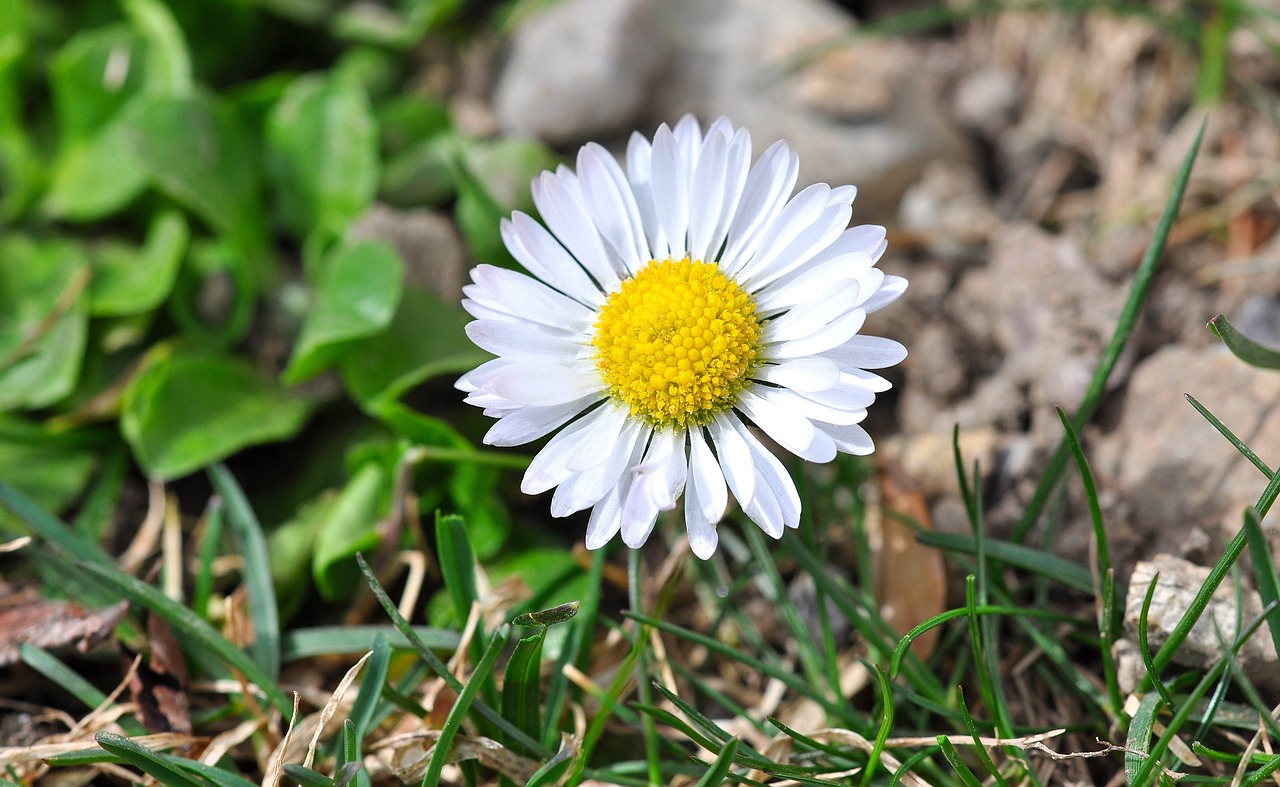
[18, 755]
[407, 756]
[331, 707]
[272, 776]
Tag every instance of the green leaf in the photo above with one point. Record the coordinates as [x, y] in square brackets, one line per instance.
[197, 152]
[426, 338]
[49, 470]
[356, 297]
[522, 685]
[457, 563]
[92, 77]
[95, 178]
[375, 677]
[462, 706]
[306, 776]
[1242, 346]
[349, 526]
[552, 769]
[322, 146]
[328, 640]
[130, 280]
[188, 409]
[168, 64]
[1264, 570]
[43, 320]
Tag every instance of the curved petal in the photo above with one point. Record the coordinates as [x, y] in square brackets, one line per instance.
[788, 429]
[768, 185]
[776, 504]
[530, 423]
[809, 318]
[567, 218]
[612, 206]
[802, 374]
[888, 292]
[502, 337]
[670, 179]
[563, 455]
[833, 334]
[541, 383]
[867, 352]
[543, 256]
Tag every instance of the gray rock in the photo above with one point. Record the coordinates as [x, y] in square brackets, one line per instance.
[580, 69]
[1170, 470]
[434, 256]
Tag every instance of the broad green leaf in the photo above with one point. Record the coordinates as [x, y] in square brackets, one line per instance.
[522, 685]
[130, 280]
[188, 409]
[95, 178]
[167, 62]
[92, 77]
[214, 296]
[51, 472]
[1243, 347]
[322, 146]
[349, 526]
[426, 338]
[356, 297]
[21, 167]
[457, 563]
[197, 152]
[43, 320]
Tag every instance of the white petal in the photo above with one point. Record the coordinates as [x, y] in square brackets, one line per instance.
[612, 206]
[670, 178]
[813, 410]
[799, 213]
[562, 456]
[521, 338]
[543, 256]
[589, 487]
[708, 196]
[768, 185]
[734, 458]
[869, 380]
[656, 485]
[526, 297]
[798, 253]
[865, 238]
[867, 352]
[706, 478]
[890, 290]
[542, 383]
[843, 195]
[606, 519]
[640, 176]
[566, 217]
[688, 136]
[737, 164]
[851, 439]
[809, 318]
[835, 333]
[788, 429]
[530, 423]
[800, 285]
[803, 374]
[776, 503]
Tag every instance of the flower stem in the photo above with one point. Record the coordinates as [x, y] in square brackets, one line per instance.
[635, 598]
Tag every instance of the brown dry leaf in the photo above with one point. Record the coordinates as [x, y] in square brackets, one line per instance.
[910, 578]
[159, 684]
[406, 756]
[54, 624]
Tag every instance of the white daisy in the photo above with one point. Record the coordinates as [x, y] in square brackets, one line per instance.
[675, 307]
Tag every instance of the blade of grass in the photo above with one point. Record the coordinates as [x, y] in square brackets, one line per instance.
[1264, 571]
[972, 727]
[635, 598]
[1145, 649]
[551, 771]
[243, 523]
[886, 724]
[325, 640]
[953, 757]
[1245, 450]
[1124, 329]
[719, 769]
[203, 590]
[375, 678]
[522, 683]
[144, 760]
[462, 707]
[191, 625]
[1242, 347]
[1038, 562]
[1138, 743]
[307, 777]
[901, 651]
[433, 661]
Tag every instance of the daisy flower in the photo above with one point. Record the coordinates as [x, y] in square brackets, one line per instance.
[679, 305]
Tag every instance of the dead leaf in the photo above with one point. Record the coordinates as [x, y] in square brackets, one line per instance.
[910, 579]
[159, 685]
[55, 624]
[407, 756]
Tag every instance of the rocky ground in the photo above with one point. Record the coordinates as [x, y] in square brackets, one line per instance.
[1019, 162]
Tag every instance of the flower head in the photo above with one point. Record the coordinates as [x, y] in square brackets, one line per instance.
[677, 306]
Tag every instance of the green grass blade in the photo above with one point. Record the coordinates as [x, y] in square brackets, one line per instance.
[332, 640]
[900, 653]
[1244, 450]
[375, 678]
[461, 708]
[1256, 778]
[522, 684]
[433, 661]
[306, 777]
[457, 563]
[145, 760]
[1145, 650]
[719, 769]
[551, 771]
[1111, 355]
[192, 626]
[51, 667]
[1242, 347]
[1138, 743]
[953, 757]
[1043, 564]
[243, 523]
[972, 727]
[886, 724]
[1264, 571]
[203, 589]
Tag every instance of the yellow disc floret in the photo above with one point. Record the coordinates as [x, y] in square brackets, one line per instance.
[678, 342]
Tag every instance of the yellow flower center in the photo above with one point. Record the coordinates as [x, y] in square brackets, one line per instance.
[678, 342]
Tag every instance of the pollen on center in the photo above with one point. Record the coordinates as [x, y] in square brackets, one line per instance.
[678, 342]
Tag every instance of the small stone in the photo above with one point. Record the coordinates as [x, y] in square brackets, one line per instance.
[428, 242]
[988, 98]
